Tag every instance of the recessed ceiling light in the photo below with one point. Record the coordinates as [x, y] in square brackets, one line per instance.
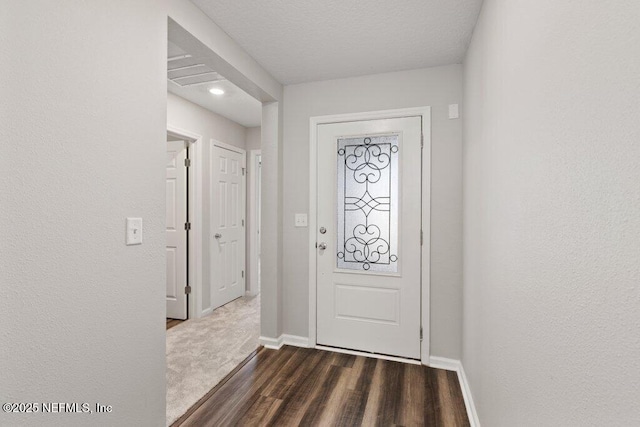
[216, 91]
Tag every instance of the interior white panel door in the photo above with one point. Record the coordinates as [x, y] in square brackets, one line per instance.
[176, 248]
[227, 226]
[369, 224]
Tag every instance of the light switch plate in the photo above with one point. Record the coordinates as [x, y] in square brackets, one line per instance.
[454, 111]
[134, 231]
[301, 220]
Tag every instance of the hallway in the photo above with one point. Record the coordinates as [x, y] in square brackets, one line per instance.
[498, 238]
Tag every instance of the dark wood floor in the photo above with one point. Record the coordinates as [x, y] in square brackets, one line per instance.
[308, 387]
[173, 322]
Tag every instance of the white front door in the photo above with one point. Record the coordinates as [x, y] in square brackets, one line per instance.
[369, 246]
[176, 249]
[227, 225]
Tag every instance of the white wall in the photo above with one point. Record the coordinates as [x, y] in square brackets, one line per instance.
[82, 128]
[435, 87]
[253, 138]
[552, 213]
[188, 116]
[271, 231]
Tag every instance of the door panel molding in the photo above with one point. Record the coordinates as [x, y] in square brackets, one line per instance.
[425, 114]
[227, 218]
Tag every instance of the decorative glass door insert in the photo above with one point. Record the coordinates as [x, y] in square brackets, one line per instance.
[368, 197]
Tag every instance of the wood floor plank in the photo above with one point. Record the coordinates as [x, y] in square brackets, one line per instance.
[371, 412]
[444, 396]
[413, 390]
[320, 403]
[259, 389]
[308, 387]
[173, 322]
[334, 406]
[344, 360]
[301, 394]
[290, 373]
[458, 407]
[356, 397]
[260, 413]
[238, 389]
[356, 372]
[392, 376]
[242, 397]
[431, 415]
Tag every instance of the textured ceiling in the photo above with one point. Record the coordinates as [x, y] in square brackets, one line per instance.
[308, 40]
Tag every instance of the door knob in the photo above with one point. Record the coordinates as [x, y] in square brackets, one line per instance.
[322, 246]
[217, 235]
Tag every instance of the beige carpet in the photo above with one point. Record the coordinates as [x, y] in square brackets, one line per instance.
[203, 351]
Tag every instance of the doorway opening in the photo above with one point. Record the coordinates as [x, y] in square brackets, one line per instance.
[178, 227]
[220, 126]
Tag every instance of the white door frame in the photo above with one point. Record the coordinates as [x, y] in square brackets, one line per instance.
[425, 114]
[253, 221]
[195, 217]
[243, 152]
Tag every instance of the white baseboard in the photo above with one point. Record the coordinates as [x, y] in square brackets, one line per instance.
[456, 366]
[468, 398]
[295, 340]
[284, 339]
[206, 312]
[272, 343]
[444, 363]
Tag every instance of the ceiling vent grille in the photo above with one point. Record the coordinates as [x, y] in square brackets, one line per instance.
[185, 70]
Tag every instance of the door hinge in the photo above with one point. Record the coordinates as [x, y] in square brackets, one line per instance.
[421, 238]
[422, 140]
[242, 171]
[187, 162]
[243, 274]
[187, 226]
[243, 222]
[420, 333]
[187, 289]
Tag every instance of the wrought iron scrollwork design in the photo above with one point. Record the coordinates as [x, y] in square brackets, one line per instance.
[366, 163]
